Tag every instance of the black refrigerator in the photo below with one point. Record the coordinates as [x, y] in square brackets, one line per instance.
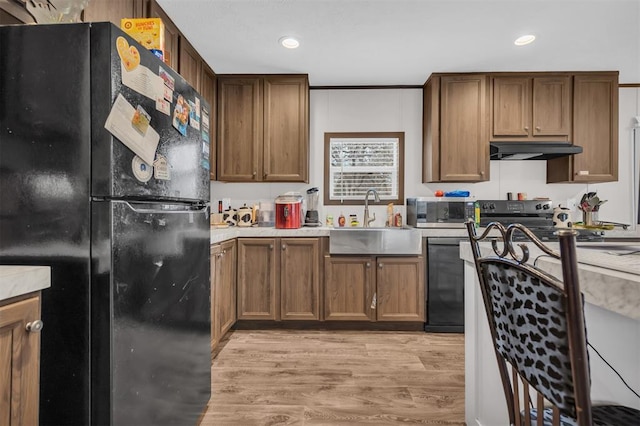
[104, 176]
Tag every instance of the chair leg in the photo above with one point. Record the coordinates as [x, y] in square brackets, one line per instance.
[516, 395]
[540, 409]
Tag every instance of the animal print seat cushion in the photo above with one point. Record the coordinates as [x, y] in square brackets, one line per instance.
[529, 316]
[605, 415]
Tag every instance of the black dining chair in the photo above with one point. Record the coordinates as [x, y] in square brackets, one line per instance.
[538, 331]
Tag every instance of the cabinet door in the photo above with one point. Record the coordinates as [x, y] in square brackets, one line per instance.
[19, 363]
[595, 124]
[300, 278]
[348, 288]
[464, 143]
[189, 63]
[112, 11]
[258, 292]
[595, 129]
[551, 111]
[214, 260]
[171, 35]
[208, 92]
[511, 106]
[400, 289]
[239, 129]
[227, 286]
[286, 131]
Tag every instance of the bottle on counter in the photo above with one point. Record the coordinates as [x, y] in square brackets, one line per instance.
[389, 221]
[329, 220]
[476, 210]
[397, 220]
[341, 220]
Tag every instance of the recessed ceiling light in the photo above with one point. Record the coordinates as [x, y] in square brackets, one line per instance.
[289, 42]
[525, 39]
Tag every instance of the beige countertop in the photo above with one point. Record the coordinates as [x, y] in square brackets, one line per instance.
[609, 273]
[222, 234]
[17, 280]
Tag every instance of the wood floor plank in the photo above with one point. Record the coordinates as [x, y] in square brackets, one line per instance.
[300, 377]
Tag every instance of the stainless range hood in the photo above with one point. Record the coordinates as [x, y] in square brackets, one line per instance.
[531, 150]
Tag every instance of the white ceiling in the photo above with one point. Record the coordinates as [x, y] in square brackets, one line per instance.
[401, 42]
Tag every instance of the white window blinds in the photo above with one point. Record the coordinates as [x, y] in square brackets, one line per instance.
[357, 164]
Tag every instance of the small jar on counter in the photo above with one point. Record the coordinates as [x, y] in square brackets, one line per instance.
[329, 220]
[341, 220]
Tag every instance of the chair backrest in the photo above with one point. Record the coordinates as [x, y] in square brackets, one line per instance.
[536, 322]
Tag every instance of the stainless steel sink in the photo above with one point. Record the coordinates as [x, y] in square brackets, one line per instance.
[375, 241]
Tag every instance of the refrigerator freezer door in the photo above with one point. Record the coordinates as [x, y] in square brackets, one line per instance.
[151, 314]
[181, 168]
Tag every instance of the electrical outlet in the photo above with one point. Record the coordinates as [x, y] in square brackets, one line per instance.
[571, 204]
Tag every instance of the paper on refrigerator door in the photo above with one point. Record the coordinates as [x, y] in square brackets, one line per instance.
[119, 125]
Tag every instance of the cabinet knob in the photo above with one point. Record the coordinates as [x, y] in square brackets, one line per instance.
[34, 326]
[284, 247]
[254, 173]
[538, 128]
[380, 265]
[481, 172]
[368, 264]
[526, 129]
[270, 246]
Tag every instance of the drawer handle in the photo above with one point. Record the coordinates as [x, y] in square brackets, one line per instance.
[34, 326]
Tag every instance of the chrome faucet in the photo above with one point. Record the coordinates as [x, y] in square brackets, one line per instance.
[366, 221]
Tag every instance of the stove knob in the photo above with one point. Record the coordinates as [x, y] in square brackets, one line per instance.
[485, 206]
[538, 206]
[493, 206]
[546, 207]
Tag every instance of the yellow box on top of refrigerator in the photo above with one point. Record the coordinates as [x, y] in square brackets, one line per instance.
[149, 32]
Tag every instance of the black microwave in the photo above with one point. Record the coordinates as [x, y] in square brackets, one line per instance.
[444, 212]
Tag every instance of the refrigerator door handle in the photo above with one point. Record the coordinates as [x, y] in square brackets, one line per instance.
[171, 208]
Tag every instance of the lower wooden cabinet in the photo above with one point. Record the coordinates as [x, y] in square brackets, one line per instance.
[223, 289]
[279, 278]
[400, 287]
[349, 288]
[19, 361]
[374, 288]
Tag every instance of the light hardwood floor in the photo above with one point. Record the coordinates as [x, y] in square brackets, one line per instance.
[293, 377]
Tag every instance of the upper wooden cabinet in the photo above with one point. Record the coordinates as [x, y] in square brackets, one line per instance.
[171, 35]
[208, 83]
[113, 11]
[455, 137]
[189, 64]
[580, 108]
[531, 108]
[263, 128]
[595, 129]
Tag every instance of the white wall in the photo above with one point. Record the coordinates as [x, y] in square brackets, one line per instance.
[392, 110]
